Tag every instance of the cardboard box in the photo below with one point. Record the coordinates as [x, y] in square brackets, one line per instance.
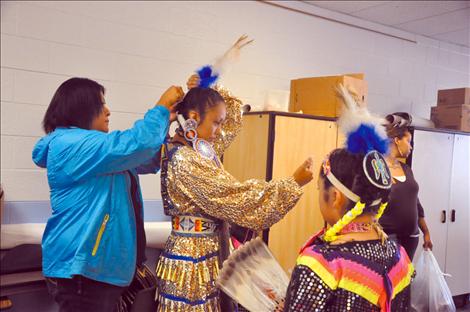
[317, 95]
[453, 96]
[456, 117]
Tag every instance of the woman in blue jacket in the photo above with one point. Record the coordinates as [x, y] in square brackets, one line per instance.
[95, 236]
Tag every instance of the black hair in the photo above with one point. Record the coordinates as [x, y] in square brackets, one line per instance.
[199, 100]
[348, 169]
[76, 103]
[398, 125]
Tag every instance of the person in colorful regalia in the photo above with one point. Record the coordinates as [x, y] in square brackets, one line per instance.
[352, 265]
[202, 199]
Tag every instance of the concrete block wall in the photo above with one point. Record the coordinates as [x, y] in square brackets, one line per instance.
[138, 49]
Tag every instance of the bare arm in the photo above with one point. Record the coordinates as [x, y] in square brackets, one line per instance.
[426, 235]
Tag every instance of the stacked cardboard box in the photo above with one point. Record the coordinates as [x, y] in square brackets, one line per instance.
[452, 110]
[317, 95]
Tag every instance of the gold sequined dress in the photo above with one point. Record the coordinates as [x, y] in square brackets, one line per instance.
[200, 196]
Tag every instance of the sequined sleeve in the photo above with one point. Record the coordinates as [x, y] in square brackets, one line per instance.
[233, 121]
[255, 204]
[306, 292]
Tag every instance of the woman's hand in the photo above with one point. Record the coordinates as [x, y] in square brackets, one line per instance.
[170, 98]
[193, 81]
[427, 241]
[304, 173]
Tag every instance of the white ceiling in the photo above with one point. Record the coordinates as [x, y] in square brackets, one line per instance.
[442, 20]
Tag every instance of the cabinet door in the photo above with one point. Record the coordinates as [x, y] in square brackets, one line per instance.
[458, 233]
[432, 164]
[247, 156]
[295, 140]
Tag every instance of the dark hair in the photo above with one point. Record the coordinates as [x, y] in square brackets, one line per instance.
[398, 124]
[348, 169]
[199, 100]
[76, 103]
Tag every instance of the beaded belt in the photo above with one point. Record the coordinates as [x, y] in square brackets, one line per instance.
[193, 225]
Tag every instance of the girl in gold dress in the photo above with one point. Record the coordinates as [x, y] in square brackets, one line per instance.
[201, 197]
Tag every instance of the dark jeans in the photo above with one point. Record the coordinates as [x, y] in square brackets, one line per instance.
[83, 294]
[408, 242]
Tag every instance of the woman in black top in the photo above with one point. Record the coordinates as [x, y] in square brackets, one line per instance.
[404, 213]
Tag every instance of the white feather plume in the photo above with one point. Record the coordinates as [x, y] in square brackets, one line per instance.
[252, 277]
[353, 115]
[231, 56]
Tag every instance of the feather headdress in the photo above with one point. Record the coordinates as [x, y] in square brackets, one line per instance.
[366, 136]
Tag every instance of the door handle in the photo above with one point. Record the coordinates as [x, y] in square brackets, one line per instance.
[443, 216]
[452, 215]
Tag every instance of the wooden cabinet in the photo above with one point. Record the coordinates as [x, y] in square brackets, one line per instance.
[441, 165]
[272, 145]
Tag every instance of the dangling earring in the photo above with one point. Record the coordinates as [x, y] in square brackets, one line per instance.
[202, 147]
[189, 128]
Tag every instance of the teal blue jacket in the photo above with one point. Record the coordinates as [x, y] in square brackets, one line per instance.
[92, 230]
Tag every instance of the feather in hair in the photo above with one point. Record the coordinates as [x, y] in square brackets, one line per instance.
[209, 74]
[364, 131]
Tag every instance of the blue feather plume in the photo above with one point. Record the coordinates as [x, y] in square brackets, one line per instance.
[365, 139]
[207, 77]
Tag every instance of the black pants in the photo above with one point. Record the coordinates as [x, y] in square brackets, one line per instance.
[83, 294]
[410, 243]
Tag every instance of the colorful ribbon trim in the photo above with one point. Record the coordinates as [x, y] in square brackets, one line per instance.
[187, 301]
[193, 225]
[191, 259]
[357, 278]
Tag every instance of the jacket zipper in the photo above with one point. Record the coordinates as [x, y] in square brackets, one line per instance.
[100, 234]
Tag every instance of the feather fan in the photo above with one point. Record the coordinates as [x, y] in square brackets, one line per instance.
[252, 277]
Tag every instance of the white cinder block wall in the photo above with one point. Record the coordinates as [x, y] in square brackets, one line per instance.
[137, 49]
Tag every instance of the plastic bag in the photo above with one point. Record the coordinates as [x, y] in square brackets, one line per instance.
[429, 290]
